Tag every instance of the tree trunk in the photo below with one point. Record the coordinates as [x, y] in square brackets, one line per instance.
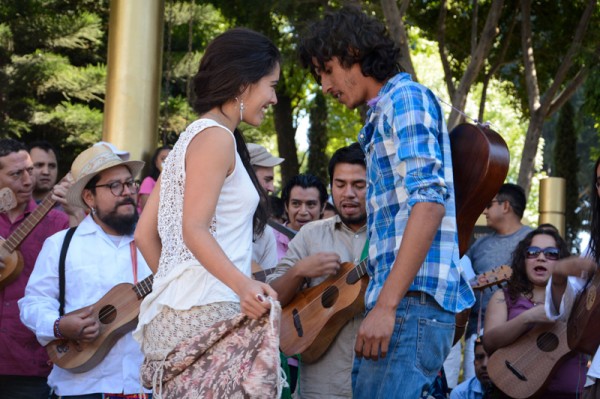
[393, 18]
[542, 106]
[286, 134]
[317, 139]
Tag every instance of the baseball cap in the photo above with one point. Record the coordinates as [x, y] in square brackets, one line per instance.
[259, 156]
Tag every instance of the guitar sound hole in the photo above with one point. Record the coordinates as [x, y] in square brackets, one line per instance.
[547, 342]
[330, 296]
[107, 314]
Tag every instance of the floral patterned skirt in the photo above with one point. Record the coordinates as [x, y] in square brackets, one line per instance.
[234, 358]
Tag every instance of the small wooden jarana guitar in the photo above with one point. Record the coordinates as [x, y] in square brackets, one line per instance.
[522, 369]
[117, 312]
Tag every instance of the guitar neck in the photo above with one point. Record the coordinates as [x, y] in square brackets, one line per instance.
[358, 272]
[144, 287]
[17, 237]
[261, 275]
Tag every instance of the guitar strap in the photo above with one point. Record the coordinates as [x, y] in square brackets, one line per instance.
[365, 252]
[61, 270]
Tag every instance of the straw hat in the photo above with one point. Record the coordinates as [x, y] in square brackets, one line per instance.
[124, 155]
[91, 162]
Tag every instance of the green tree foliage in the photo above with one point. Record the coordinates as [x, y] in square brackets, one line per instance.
[52, 72]
[567, 167]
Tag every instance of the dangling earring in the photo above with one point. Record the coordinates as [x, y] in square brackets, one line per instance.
[242, 107]
[93, 211]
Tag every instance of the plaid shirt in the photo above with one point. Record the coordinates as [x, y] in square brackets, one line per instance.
[407, 148]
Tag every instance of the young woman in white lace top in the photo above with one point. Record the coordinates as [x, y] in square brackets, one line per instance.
[197, 227]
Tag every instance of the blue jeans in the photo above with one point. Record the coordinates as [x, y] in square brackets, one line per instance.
[420, 342]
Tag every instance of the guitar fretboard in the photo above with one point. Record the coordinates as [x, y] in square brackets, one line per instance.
[356, 273]
[17, 237]
[144, 287]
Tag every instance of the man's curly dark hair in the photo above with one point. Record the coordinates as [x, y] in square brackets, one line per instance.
[519, 283]
[353, 37]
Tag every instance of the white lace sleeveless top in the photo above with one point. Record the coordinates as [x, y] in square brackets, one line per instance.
[181, 282]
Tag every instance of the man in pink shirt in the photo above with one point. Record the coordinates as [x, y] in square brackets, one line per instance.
[23, 363]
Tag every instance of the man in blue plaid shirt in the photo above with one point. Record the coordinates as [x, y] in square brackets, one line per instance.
[416, 285]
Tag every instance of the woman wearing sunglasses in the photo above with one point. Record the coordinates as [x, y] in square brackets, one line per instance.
[515, 309]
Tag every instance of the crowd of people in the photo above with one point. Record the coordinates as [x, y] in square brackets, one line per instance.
[209, 255]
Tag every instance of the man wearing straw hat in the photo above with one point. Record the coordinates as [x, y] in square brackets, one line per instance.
[100, 255]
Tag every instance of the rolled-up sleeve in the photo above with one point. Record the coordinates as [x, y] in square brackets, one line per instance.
[416, 136]
[574, 286]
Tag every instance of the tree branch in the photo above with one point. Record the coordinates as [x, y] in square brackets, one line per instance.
[476, 63]
[561, 74]
[533, 90]
[441, 37]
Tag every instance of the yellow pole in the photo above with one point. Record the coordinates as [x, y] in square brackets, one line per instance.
[133, 80]
[553, 202]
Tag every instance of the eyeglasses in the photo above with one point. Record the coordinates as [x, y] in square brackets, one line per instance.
[492, 203]
[117, 188]
[550, 253]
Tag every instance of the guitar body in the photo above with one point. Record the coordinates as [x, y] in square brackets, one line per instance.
[584, 321]
[117, 312]
[311, 322]
[480, 160]
[13, 265]
[522, 369]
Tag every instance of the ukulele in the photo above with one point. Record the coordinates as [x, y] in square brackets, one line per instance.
[117, 312]
[521, 369]
[13, 261]
[316, 315]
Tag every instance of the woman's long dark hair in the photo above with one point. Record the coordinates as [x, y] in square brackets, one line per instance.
[233, 61]
[519, 284]
[595, 222]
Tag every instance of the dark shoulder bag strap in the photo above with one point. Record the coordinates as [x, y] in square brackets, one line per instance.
[61, 270]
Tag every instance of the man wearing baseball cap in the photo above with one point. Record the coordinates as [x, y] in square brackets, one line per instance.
[264, 249]
[100, 255]
[264, 164]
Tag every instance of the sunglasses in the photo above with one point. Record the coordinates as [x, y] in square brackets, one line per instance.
[550, 253]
